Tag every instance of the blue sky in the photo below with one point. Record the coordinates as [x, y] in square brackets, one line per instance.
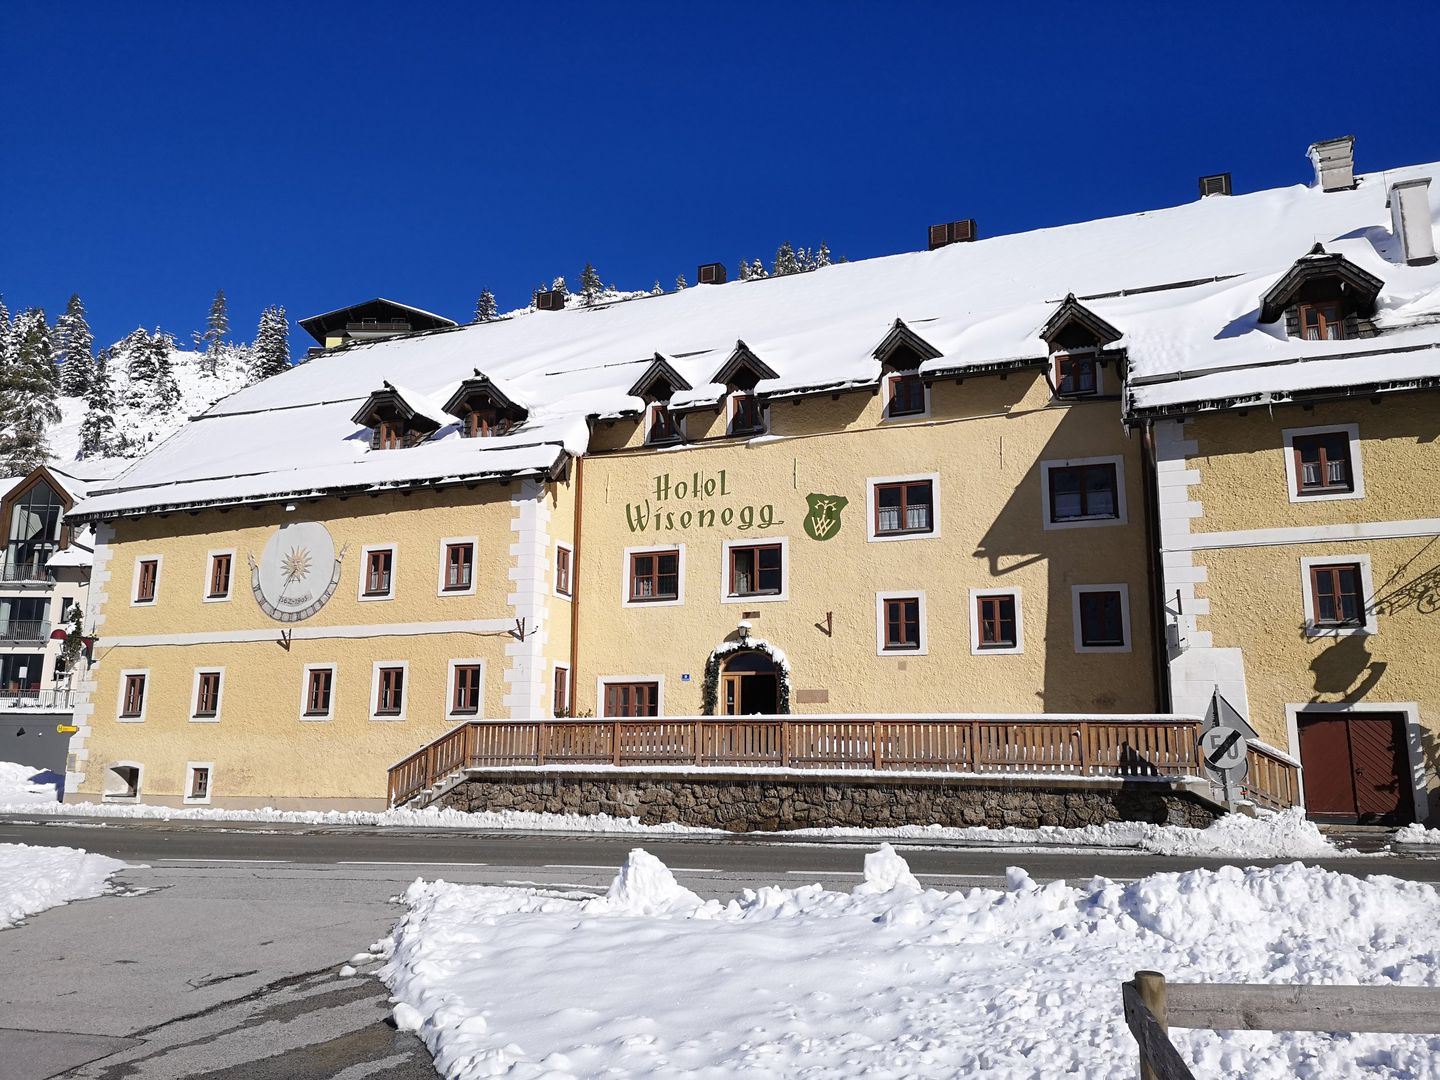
[314, 155]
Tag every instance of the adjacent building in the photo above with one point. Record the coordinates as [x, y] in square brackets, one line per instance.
[1054, 472]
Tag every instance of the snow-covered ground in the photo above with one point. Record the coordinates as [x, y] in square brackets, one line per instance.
[891, 980]
[35, 878]
[23, 787]
[1417, 834]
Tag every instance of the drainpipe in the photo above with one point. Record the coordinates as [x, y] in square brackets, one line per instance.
[575, 581]
[1154, 564]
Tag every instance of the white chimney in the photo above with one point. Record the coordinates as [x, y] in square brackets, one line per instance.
[1410, 220]
[1334, 161]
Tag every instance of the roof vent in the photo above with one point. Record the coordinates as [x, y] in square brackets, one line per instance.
[1410, 220]
[711, 274]
[952, 232]
[1334, 161]
[1215, 184]
[550, 300]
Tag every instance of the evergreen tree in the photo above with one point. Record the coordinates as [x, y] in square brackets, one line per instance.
[558, 285]
[680, 283]
[28, 395]
[485, 307]
[744, 274]
[271, 352]
[4, 334]
[98, 437]
[134, 353]
[590, 286]
[217, 325]
[655, 289]
[785, 262]
[822, 257]
[167, 390]
[757, 270]
[73, 349]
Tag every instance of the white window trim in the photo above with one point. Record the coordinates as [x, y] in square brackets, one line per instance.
[190, 767]
[900, 594]
[678, 417]
[440, 590]
[1414, 746]
[479, 713]
[975, 647]
[727, 597]
[730, 404]
[1055, 375]
[602, 681]
[872, 482]
[625, 600]
[1292, 478]
[1367, 596]
[159, 561]
[1122, 510]
[329, 713]
[1124, 591]
[569, 687]
[887, 392]
[364, 571]
[120, 797]
[554, 578]
[405, 690]
[209, 567]
[195, 694]
[144, 700]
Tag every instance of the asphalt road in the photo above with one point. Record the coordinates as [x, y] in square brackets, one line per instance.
[220, 955]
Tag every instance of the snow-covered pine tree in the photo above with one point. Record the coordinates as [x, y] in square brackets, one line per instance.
[29, 394]
[558, 285]
[757, 270]
[822, 257]
[271, 351]
[4, 334]
[73, 349]
[217, 325]
[785, 262]
[744, 274]
[590, 286]
[485, 310]
[134, 353]
[656, 290]
[167, 390]
[98, 437]
[680, 283]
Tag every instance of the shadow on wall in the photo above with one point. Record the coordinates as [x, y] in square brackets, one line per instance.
[1345, 670]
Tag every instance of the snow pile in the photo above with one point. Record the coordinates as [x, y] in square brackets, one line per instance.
[893, 981]
[1286, 835]
[26, 787]
[35, 878]
[1417, 834]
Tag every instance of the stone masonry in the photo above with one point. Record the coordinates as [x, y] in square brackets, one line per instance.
[746, 803]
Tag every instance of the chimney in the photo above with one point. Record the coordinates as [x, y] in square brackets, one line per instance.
[951, 232]
[1410, 220]
[1334, 161]
[1215, 184]
[711, 274]
[550, 300]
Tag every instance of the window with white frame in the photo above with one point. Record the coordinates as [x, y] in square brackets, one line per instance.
[654, 576]
[147, 580]
[388, 690]
[377, 572]
[1338, 595]
[903, 507]
[1083, 492]
[1101, 615]
[997, 624]
[755, 571]
[1322, 464]
[134, 686]
[198, 775]
[900, 623]
[206, 693]
[467, 687]
[317, 692]
[457, 565]
[218, 576]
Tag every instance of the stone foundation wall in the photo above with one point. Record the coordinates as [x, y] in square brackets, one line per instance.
[774, 803]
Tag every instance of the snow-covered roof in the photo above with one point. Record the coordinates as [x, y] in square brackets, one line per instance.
[1182, 285]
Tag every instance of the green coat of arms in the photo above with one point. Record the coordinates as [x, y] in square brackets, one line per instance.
[822, 518]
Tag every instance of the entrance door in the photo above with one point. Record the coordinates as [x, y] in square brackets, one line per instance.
[749, 686]
[1356, 768]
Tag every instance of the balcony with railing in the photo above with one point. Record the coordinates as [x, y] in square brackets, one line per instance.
[35, 698]
[26, 567]
[23, 631]
[378, 326]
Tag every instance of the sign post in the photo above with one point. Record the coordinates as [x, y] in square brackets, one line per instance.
[1224, 744]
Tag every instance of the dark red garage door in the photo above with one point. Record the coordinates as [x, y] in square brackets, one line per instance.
[1355, 768]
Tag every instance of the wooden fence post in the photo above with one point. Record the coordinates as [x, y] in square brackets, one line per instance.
[1151, 985]
[786, 731]
[540, 731]
[875, 743]
[615, 741]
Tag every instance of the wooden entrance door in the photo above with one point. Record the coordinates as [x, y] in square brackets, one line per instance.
[1356, 768]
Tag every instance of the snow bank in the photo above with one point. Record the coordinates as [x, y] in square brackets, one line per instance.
[1417, 834]
[28, 787]
[891, 980]
[35, 878]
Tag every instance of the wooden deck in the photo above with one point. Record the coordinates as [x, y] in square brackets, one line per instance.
[1116, 747]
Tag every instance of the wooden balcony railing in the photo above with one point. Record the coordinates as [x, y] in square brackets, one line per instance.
[1120, 747]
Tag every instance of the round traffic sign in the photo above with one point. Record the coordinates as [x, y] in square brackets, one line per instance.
[1223, 749]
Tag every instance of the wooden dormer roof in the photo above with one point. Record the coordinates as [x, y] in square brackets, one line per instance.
[660, 368]
[1073, 314]
[481, 385]
[390, 402]
[1357, 287]
[743, 359]
[900, 337]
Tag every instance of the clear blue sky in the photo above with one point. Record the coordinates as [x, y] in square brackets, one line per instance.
[315, 155]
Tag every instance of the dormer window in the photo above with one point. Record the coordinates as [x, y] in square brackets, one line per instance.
[398, 417]
[907, 395]
[1323, 297]
[747, 415]
[663, 425]
[901, 353]
[484, 409]
[1076, 375]
[387, 435]
[656, 387]
[740, 375]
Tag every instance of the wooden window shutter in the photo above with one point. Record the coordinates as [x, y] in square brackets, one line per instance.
[1292, 321]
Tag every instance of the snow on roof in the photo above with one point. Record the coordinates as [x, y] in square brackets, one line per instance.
[1183, 286]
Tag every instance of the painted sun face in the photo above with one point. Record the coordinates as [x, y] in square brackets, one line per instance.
[296, 565]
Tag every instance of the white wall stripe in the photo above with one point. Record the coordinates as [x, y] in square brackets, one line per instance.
[312, 633]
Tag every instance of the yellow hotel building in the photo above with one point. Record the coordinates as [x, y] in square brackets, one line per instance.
[1048, 473]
